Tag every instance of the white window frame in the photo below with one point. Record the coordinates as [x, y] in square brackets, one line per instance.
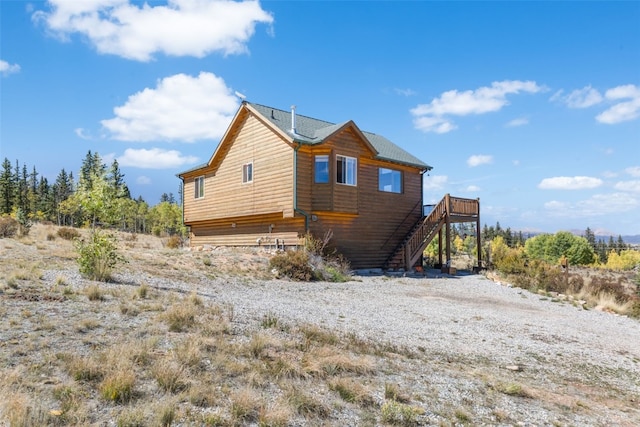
[324, 158]
[247, 173]
[393, 172]
[198, 183]
[348, 170]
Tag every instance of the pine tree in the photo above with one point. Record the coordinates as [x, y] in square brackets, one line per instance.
[7, 190]
[590, 236]
[116, 179]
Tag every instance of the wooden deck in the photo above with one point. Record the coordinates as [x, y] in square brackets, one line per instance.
[448, 210]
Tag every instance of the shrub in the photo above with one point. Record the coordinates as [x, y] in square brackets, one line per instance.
[8, 226]
[51, 237]
[118, 386]
[24, 223]
[399, 414]
[174, 242]
[511, 261]
[315, 262]
[98, 257]
[292, 264]
[68, 233]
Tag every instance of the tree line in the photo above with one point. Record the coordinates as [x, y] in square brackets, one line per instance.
[98, 197]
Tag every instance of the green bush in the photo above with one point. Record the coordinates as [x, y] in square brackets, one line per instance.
[98, 256]
[8, 226]
[24, 223]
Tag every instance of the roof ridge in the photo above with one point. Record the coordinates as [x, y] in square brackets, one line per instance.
[289, 112]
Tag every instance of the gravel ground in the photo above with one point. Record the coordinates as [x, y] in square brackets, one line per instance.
[471, 332]
[468, 350]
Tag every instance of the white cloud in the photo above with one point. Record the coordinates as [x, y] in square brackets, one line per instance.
[570, 183]
[479, 159]
[632, 186]
[433, 117]
[180, 108]
[472, 188]
[598, 205]
[436, 182]
[179, 28]
[405, 92]
[579, 98]
[622, 111]
[154, 158]
[518, 122]
[6, 68]
[143, 180]
[633, 171]
[82, 134]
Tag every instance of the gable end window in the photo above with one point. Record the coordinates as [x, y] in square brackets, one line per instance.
[389, 180]
[247, 173]
[199, 187]
[321, 169]
[346, 170]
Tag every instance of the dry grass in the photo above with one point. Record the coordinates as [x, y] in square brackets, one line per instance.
[77, 353]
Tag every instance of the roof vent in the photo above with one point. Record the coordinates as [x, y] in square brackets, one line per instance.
[272, 116]
[293, 119]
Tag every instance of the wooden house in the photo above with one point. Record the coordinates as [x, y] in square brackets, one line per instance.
[276, 175]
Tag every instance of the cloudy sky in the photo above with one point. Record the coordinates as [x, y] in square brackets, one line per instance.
[533, 107]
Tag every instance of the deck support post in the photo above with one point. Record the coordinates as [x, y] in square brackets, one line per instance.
[479, 237]
[440, 246]
[448, 225]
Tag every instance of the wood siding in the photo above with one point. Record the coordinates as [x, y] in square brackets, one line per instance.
[248, 231]
[225, 195]
[367, 224]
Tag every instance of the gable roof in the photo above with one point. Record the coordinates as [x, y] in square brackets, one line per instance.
[314, 131]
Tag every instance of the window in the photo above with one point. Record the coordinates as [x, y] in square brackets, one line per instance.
[346, 168]
[199, 185]
[247, 173]
[389, 180]
[322, 169]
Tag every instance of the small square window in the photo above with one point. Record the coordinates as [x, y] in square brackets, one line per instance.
[389, 180]
[199, 187]
[247, 173]
[321, 169]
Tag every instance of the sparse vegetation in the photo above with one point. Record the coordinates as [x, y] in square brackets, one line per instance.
[68, 233]
[98, 256]
[316, 262]
[138, 354]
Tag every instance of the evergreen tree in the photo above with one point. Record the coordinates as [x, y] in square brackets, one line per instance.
[620, 245]
[7, 190]
[591, 237]
[116, 179]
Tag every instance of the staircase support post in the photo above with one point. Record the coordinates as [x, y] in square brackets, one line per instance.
[478, 237]
[448, 225]
[440, 246]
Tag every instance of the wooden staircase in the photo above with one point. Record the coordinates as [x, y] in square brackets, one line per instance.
[448, 210]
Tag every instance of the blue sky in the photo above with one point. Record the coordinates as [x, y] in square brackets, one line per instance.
[534, 107]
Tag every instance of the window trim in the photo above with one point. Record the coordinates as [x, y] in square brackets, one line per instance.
[327, 157]
[247, 167]
[399, 172]
[198, 184]
[345, 170]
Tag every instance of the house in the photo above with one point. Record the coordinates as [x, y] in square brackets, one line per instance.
[276, 175]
